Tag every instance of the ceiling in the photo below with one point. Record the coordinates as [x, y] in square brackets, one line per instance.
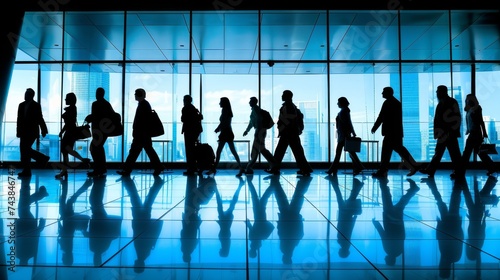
[294, 40]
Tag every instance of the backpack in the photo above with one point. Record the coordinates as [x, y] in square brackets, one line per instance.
[267, 120]
[300, 121]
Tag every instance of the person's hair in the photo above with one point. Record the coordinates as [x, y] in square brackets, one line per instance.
[226, 105]
[31, 92]
[188, 98]
[442, 88]
[254, 99]
[99, 92]
[140, 92]
[343, 102]
[389, 90]
[71, 98]
[287, 94]
[471, 101]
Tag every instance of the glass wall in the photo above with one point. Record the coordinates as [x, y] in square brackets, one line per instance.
[318, 55]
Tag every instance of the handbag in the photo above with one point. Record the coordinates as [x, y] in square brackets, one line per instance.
[352, 144]
[82, 131]
[156, 126]
[488, 148]
[116, 125]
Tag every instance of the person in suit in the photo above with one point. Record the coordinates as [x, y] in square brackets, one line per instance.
[30, 124]
[141, 137]
[391, 119]
[226, 135]
[259, 138]
[476, 131]
[100, 112]
[344, 130]
[290, 126]
[447, 124]
[191, 128]
[68, 137]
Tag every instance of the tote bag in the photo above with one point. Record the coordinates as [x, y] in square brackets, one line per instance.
[156, 126]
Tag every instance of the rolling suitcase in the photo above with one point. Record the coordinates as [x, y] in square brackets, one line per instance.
[205, 156]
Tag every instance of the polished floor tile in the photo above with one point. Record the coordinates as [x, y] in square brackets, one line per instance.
[253, 227]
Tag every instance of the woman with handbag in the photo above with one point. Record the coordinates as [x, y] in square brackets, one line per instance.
[476, 131]
[344, 130]
[69, 136]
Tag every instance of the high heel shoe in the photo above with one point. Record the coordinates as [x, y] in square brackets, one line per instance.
[86, 161]
[211, 171]
[242, 171]
[63, 175]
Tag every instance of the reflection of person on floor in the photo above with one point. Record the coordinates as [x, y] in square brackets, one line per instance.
[146, 230]
[348, 212]
[393, 232]
[290, 222]
[477, 214]
[28, 227]
[103, 228]
[261, 228]
[69, 221]
[449, 231]
[226, 218]
[197, 194]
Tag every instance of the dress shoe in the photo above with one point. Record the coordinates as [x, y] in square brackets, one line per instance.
[211, 171]
[241, 172]
[123, 172]
[412, 172]
[380, 174]
[491, 172]
[95, 174]
[24, 173]
[331, 171]
[273, 171]
[158, 171]
[188, 173]
[356, 172]
[249, 171]
[304, 172]
[427, 172]
[63, 175]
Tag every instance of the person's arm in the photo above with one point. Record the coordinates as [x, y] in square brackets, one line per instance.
[43, 125]
[378, 122]
[481, 122]
[250, 125]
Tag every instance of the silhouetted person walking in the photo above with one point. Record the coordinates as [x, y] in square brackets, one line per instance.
[290, 222]
[259, 138]
[393, 232]
[100, 117]
[348, 211]
[290, 127]
[68, 136]
[391, 119]
[447, 124]
[344, 130]
[191, 128]
[141, 137]
[30, 124]
[476, 131]
[226, 135]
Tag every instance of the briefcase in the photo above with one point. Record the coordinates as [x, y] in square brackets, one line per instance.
[352, 144]
[488, 148]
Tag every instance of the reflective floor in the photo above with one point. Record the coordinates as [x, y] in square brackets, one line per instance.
[253, 227]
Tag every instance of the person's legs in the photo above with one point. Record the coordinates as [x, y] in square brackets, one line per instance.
[98, 154]
[133, 154]
[356, 163]
[299, 154]
[25, 144]
[152, 155]
[190, 146]
[436, 159]
[218, 153]
[232, 148]
[338, 153]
